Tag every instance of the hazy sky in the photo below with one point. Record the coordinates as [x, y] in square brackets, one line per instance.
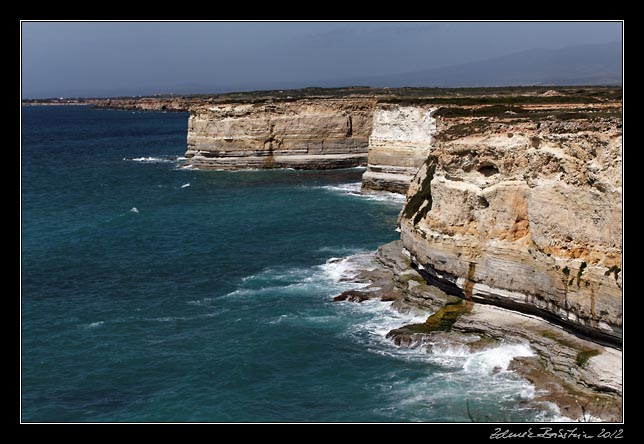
[107, 59]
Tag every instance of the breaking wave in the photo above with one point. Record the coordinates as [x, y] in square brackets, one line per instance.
[153, 159]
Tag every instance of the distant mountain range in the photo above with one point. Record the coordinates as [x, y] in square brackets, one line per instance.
[596, 64]
[599, 64]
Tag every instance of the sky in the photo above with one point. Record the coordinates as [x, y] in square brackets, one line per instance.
[104, 59]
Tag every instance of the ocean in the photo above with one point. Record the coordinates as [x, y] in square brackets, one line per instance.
[156, 293]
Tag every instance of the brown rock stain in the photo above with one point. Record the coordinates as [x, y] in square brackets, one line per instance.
[520, 227]
[584, 252]
[469, 282]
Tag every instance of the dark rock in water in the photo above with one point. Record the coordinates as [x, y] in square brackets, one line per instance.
[403, 340]
[390, 297]
[444, 318]
[351, 296]
[409, 335]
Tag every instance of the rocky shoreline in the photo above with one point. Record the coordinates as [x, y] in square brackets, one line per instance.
[513, 201]
[512, 227]
[582, 378]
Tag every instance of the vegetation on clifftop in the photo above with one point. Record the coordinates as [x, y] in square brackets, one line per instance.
[402, 95]
[424, 194]
[614, 269]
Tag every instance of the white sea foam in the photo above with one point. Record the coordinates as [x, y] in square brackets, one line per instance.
[496, 358]
[246, 170]
[185, 185]
[339, 270]
[258, 292]
[328, 279]
[383, 319]
[204, 301]
[450, 384]
[214, 313]
[552, 413]
[209, 314]
[279, 275]
[134, 210]
[355, 189]
[313, 319]
[342, 251]
[378, 320]
[168, 319]
[385, 196]
[347, 268]
[278, 319]
[152, 159]
[95, 324]
[590, 418]
[345, 188]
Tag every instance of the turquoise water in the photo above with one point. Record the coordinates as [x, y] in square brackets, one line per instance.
[152, 292]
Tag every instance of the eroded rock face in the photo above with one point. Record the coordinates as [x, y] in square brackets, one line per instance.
[398, 146]
[528, 216]
[300, 134]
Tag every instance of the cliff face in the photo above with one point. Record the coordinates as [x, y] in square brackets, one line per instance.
[298, 134]
[524, 213]
[399, 144]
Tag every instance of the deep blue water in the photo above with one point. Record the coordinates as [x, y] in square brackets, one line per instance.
[151, 292]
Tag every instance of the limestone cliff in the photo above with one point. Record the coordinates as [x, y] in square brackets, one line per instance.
[522, 208]
[297, 134]
[400, 142]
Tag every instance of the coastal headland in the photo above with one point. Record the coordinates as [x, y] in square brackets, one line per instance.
[512, 226]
